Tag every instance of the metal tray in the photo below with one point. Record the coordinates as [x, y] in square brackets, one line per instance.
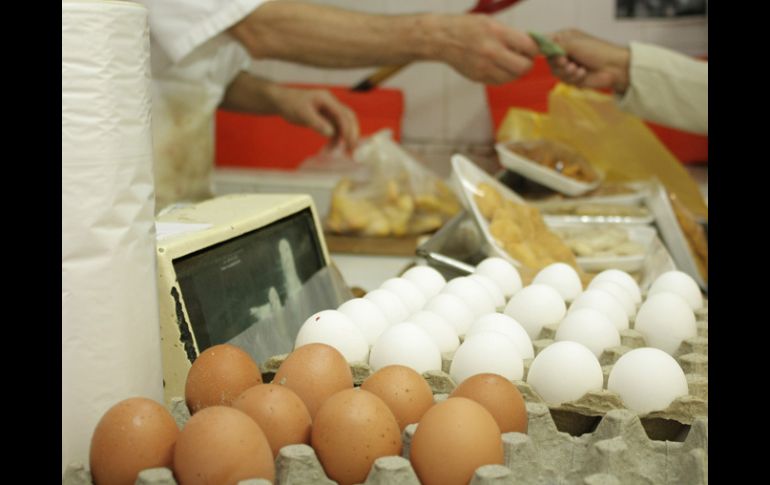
[672, 234]
[459, 246]
[456, 248]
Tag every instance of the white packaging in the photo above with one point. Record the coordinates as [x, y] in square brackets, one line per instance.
[110, 329]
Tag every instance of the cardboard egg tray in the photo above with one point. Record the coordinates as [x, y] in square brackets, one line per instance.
[618, 451]
[582, 415]
[594, 440]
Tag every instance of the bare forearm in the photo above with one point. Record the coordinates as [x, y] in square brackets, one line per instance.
[250, 94]
[330, 37]
[317, 109]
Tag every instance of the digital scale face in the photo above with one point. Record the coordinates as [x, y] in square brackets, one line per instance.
[246, 269]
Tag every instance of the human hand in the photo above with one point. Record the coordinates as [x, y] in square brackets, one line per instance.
[482, 49]
[319, 110]
[590, 62]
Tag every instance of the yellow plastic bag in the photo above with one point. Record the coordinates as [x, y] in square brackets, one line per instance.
[616, 143]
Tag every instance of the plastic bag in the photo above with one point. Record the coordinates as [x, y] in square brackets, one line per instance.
[616, 143]
[389, 194]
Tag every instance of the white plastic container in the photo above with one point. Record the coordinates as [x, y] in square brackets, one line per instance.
[541, 174]
[643, 235]
[467, 176]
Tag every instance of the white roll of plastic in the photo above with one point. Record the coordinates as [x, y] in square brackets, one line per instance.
[110, 330]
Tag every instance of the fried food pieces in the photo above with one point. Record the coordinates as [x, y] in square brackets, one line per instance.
[521, 231]
[391, 210]
[556, 156]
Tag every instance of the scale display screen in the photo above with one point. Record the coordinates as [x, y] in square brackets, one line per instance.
[228, 286]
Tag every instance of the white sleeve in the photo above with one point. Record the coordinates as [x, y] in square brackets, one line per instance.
[179, 26]
[667, 87]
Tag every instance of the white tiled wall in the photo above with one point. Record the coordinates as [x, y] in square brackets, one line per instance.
[441, 105]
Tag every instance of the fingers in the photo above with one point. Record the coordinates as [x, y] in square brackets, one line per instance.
[343, 118]
[513, 64]
[340, 116]
[520, 42]
[315, 120]
[319, 110]
[568, 71]
[598, 80]
[514, 53]
[573, 73]
[566, 37]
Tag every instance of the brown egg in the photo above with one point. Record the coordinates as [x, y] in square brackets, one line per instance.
[452, 440]
[351, 430]
[279, 412]
[315, 372]
[499, 396]
[219, 375]
[404, 391]
[134, 434]
[222, 445]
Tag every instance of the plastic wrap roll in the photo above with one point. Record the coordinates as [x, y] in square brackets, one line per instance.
[110, 335]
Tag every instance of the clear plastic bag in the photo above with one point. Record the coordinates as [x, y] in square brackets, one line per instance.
[389, 193]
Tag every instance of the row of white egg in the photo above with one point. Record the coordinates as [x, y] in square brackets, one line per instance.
[430, 315]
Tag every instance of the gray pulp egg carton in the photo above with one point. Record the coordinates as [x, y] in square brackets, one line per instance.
[594, 440]
[617, 451]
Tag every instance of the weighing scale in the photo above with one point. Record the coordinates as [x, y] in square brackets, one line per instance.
[245, 269]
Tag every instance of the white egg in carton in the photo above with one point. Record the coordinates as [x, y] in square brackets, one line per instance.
[594, 439]
[692, 356]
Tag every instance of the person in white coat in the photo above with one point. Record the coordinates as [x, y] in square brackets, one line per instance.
[651, 82]
[199, 48]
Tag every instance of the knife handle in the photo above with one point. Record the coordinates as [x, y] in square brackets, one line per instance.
[377, 78]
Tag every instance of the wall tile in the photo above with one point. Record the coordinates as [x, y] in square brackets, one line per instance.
[468, 118]
[542, 15]
[425, 111]
[685, 35]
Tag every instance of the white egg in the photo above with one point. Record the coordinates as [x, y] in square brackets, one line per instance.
[498, 322]
[472, 293]
[501, 272]
[428, 279]
[534, 307]
[623, 279]
[565, 371]
[647, 380]
[334, 328]
[680, 283]
[390, 304]
[409, 293]
[605, 303]
[408, 345]
[621, 295]
[588, 327]
[453, 309]
[562, 278]
[367, 316]
[486, 352]
[441, 331]
[492, 289]
[665, 320]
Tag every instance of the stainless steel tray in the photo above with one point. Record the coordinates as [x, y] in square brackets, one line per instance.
[456, 248]
[459, 246]
[671, 232]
